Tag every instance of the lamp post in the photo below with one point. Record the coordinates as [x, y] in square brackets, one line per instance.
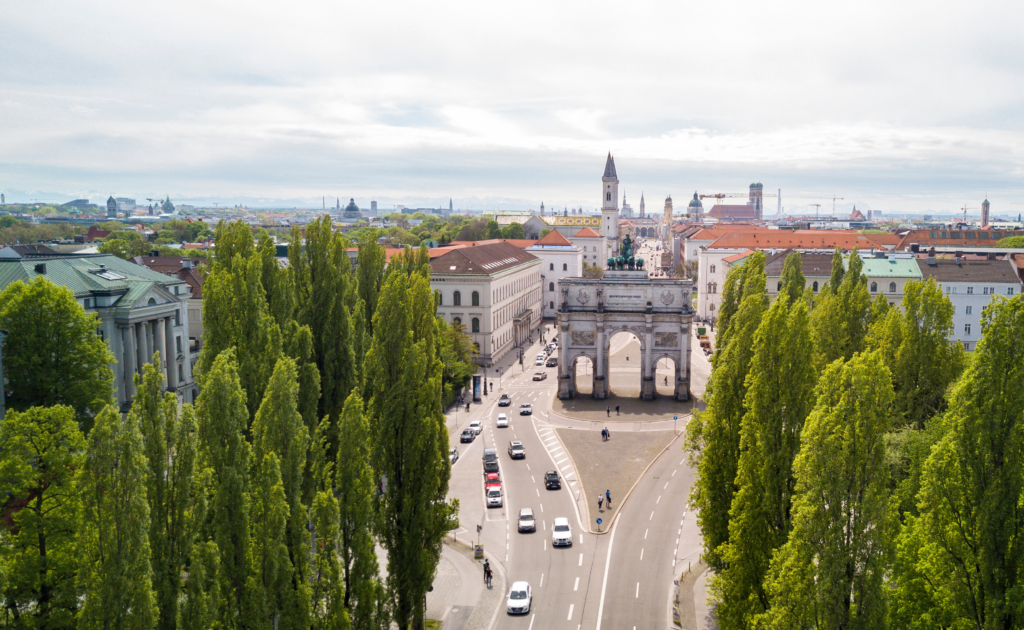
[485, 381]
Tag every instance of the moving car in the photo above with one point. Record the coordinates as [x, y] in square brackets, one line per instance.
[552, 481]
[453, 455]
[490, 460]
[494, 497]
[526, 521]
[520, 598]
[475, 425]
[551, 362]
[539, 361]
[493, 480]
[540, 376]
[516, 450]
[525, 410]
[468, 435]
[561, 533]
[504, 401]
[502, 421]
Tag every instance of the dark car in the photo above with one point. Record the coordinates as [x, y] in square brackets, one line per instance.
[516, 450]
[552, 481]
[468, 435]
[504, 401]
[552, 362]
[490, 459]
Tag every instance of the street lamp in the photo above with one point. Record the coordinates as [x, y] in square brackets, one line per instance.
[485, 381]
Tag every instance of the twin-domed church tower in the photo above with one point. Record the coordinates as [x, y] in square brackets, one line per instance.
[610, 208]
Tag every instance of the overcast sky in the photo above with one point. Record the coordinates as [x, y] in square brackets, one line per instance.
[897, 106]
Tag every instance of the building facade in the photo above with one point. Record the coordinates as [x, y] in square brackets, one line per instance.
[610, 208]
[494, 292]
[887, 273]
[559, 259]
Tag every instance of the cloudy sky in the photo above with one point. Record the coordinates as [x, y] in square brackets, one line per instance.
[897, 106]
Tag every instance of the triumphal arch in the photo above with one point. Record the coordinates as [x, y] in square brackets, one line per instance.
[659, 312]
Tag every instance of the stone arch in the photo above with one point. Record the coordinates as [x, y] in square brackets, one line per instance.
[624, 367]
[587, 362]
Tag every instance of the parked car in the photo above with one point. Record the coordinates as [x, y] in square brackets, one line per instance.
[494, 497]
[516, 450]
[475, 425]
[468, 435]
[520, 599]
[561, 533]
[540, 376]
[539, 361]
[526, 521]
[552, 481]
[502, 422]
[453, 455]
[504, 401]
[492, 480]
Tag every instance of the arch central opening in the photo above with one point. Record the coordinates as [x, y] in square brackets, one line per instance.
[582, 372]
[625, 364]
[665, 375]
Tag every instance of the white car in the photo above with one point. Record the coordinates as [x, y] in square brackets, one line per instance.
[502, 421]
[494, 499]
[539, 361]
[527, 523]
[475, 425]
[561, 533]
[520, 598]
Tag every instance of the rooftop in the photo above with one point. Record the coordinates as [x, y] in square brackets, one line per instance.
[812, 265]
[486, 259]
[586, 233]
[888, 267]
[946, 270]
[554, 237]
[803, 239]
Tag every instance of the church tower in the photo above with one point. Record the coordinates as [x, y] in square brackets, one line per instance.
[668, 218]
[984, 213]
[641, 205]
[542, 208]
[610, 208]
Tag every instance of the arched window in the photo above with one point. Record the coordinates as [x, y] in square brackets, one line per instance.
[440, 298]
[152, 301]
[551, 267]
[714, 287]
[565, 267]
[709, 287]
[779, 288]
[457, 320]
[457, 298]
[874, 287]
[476, 299]
[608, 196]
[712, 269]
[892, 287]
[552, 307]
[814, 287]
[476, 324]
[551, 286]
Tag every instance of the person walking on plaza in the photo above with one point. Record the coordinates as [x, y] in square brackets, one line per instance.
[600, 502]
[616, 410]
[607, 434]
[604, 435]
[608, 497]
[609, 411]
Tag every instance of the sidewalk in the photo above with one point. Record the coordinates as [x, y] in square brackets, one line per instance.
[459, 598]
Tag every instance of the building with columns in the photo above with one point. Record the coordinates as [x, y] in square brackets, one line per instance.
[140, 312]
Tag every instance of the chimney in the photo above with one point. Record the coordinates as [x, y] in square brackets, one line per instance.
[958, 259]
[931, 259]
[186, 263]
[41, 268]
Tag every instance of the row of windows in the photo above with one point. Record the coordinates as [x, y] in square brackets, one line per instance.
[565, 267]
[474, 323]
[457, 298]
[983, 235]
[892, 287]
[985, 290]
[510, 289]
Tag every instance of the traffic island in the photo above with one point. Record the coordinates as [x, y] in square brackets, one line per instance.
[631, 409]
[614, 465]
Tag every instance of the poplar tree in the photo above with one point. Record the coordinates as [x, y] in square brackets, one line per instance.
[354, 483]
[222, 421]
[713, 436]
[272, 590]
[841, 313]
[199, 606]
[409, 441]
[780, 395]
[40, 451]
[960, 563]
[328, 593]
[792, 279]
[279, 429]
[370, 274]
[169, 444]
[113, 542]
[830, 572]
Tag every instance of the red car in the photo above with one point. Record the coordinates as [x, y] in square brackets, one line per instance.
[492, 480]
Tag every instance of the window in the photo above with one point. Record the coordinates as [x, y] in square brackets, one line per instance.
[967, 329]
[457, 298]
[714, 287]
[476, 324]
[552, 306]
[874, 287]
[476, 347]
[967, 346]
[177, 318]
[778, 289]
[440, 298]
[181, 373]
[551, 286]
[178, 343]
[892, 287]
[1009, 290]
[476, 298]
[709, 287]
[970, 290]
[152, 301]
[814, 287]
[608, 196]
[551, 267]
[991, 290]
[712, 269]
[968, 309]
[565, 267]
[457, 320]
[984, 290]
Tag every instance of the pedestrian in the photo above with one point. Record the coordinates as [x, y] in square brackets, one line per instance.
[600, 502]
[666, 381]
[608, 411]
[607, 434]
[616, 410]
[608, 497]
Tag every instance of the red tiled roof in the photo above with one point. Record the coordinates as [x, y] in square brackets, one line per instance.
[554, 237]
[480, 260]
[800, 239]
[96, 234]
[586, 233]
[955, 238]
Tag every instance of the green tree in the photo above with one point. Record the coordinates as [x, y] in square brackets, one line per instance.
[713, 436]
[222, 420]
[841, 314]
[456, 354]
[52, 355]
[493, 230]
[354, 484]
[198, 610]
[328, 593]
[40, 450]
[780, 395]
[513, 230]
[272, 579]
[113, 542]
[369, 275]
[792, 280]
[1011, 241]
[830, 572]
[124, 244]
[960, 564]
[409, 440]
[170, 449]
[280, 430]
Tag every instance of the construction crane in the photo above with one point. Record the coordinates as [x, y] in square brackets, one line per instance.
[834, 198]
[817, 206]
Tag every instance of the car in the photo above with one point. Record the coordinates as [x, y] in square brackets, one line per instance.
[552, 481]
[539, 361]
[526, 409]
[540, 376]
[561, 533]
[526, 521]
[494, 497]
[453, 455]
[493, 480]
[475, 425]
[551, 362]
[490, 460]
[520, 599]
[502, 422]
[468, 435]
[516, 450]
[504, 401]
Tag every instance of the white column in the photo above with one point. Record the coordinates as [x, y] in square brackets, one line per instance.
[129, 357]
[172, 355]
[119, 371]
[139, 343]
[159, 336]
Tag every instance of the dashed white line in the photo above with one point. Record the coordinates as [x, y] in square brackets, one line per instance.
[541, 580]
[666, 486]
[576, 587]
[569, 618]
[533, 478]
[541, 507]
[650, 519]
[545, 544]
[674, 472]
[641, 553]
[645, 533]
[638, 590]
[538, 492]
[532, 618]
[581, 561]
[658, 501]
[528, 467]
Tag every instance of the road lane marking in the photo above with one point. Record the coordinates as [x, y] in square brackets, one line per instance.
[532, 618]
[650, 519]
[645, 533]
[674, 472]
[545, 544]
[571, 606]
[638, 590]
[576, 587]
[641, 553]
[541, 581]
[666, 486]
[542, 507]
[658, 501]
[533, 478]
[538, 492]
[581, 561]
[528, 467]
[681, 462]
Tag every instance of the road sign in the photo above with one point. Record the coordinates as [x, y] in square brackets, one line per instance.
[599, 521]
[675, 417]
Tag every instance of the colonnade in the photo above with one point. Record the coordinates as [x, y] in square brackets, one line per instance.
[135, 347]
